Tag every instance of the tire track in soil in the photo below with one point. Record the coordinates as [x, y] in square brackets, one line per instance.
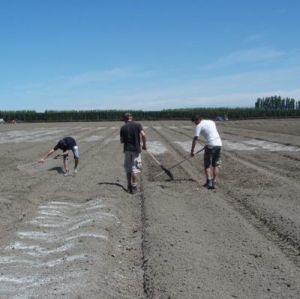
[269, 227]
[279, 232]
[48, 251]
[159, 290]
[173, 153]
[92, 152]
[21, 186]
[285, 241]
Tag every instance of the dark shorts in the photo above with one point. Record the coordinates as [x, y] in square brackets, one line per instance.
[212, 156]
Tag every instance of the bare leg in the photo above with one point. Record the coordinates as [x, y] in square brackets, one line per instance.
[208, 173]
[66, 164]
[216, 173]
[209, 181]
[76, 163]
[128, 176]
[134, 178]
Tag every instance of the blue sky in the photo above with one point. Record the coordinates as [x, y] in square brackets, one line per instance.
[147, 54]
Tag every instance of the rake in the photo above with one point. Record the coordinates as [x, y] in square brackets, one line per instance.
[188, 157]
[20, 166]
[165, 170]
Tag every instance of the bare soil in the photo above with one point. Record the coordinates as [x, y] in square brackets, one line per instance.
[84, 237]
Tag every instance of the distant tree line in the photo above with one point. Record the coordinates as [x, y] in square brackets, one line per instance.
[270, 107]
[277, 103]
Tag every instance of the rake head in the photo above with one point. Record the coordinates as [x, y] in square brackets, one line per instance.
[168, 172]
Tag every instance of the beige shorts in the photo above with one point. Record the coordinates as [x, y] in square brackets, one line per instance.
[133, 162]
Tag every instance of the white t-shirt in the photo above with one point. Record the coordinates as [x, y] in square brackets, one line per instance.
[208, 129]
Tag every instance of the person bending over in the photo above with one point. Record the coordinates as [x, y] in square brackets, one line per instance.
[66, 144]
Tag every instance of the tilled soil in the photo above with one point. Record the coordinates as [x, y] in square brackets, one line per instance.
[83, 236]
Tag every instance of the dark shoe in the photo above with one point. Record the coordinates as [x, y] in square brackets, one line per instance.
[214, 182]
[136, 190]
[206, 184]
[129, 189]
[210, 184]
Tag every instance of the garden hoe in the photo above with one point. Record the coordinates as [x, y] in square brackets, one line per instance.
[165, 170]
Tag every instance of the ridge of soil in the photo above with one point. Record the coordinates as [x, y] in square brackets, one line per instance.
[84, 236]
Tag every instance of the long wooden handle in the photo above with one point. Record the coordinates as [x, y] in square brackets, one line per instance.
[32, 163]
[188, 157]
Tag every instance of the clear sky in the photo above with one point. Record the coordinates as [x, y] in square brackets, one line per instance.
[147, 54]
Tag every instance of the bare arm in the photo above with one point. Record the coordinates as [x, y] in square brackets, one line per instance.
[144, 139]
[62, 154]
[46, 156]
[193, 145]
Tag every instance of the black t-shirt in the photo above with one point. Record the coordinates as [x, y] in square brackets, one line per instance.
[69, 144]
[130, 132]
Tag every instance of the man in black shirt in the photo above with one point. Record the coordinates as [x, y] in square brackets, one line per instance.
[66, 144]
[130, 136]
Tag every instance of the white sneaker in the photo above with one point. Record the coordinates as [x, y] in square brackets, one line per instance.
[75, 171]
[66, 173]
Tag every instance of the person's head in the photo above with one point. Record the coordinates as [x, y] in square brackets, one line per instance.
[196, 118]
[62, 144]
[127, 117]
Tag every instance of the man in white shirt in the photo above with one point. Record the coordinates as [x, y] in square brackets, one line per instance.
[213, 148]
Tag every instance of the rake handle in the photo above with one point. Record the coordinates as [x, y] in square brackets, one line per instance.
[153, 158]
[171, 167]
[32, 163]
[188, 157]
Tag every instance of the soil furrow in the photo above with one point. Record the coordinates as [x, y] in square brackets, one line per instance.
[85, 237]
[272, 223]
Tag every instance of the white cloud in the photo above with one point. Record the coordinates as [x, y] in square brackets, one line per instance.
[245, 56]
[154, 90]
[112, 75]
[254, 37]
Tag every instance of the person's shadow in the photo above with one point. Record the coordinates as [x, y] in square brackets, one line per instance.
[113, 184]
[58, 169]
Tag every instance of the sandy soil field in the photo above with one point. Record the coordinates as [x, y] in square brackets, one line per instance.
[85, 237]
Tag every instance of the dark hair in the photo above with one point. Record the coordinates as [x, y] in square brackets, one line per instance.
[126, 116]
[196, 117]
[62, 144]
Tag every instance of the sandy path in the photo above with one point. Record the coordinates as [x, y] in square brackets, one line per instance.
[84, 237]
